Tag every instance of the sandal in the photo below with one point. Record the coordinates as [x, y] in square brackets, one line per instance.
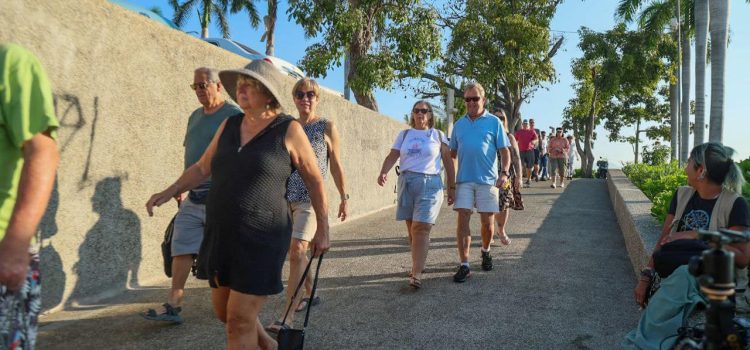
[303, 304]
[276, 327]
[170, 314]
[505, 240]
[415, 283]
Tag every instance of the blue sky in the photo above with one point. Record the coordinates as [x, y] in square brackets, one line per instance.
[547, 104]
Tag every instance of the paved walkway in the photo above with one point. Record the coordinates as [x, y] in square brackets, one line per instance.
[564, 283]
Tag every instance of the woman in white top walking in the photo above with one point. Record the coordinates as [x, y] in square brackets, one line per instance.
[420, 188]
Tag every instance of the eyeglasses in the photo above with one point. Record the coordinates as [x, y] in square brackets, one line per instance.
[200, 86]
[472, 99]
[301, 95]
[421, 111]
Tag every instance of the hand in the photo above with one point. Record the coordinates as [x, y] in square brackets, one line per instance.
[320, 242]
[158, 199]
[640, 293]
[179, 198]
[501, 181]
[382, 179]
[451, 196]
[342, 210]
[14, 263]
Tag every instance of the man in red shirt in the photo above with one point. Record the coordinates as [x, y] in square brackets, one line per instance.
[527, 141]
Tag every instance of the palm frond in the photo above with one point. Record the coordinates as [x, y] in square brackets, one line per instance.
[627, 9]
[220, 14]
[249, 7]
[657, 16]
[181, 11]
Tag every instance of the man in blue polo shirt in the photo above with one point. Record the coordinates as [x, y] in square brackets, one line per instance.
[477, 140]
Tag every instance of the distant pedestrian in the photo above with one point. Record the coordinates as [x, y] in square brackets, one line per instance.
[423, 152]
[527, 141]
[537, 150]
[572, 157]
[543, 156]
[29, 158]
[558, 155]
[248, 221]
[510, 196]
[477, 139]
[324, 138]
[191, 217]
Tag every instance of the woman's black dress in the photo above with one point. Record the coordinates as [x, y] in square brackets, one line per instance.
[248, 222]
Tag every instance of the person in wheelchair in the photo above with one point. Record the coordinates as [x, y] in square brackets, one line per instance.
[712, 200]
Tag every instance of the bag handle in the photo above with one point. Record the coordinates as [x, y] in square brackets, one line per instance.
[315, 287]
[299, 286]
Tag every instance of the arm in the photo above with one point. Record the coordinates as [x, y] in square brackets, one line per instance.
[450, 172]
[191, 177]
[505, 157]
[515, 157]
[303, 158]
[337, 171]
[644, 282]
[35, 186]
[388, 163]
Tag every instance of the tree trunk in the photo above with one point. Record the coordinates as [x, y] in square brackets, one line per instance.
[685, 94]
[270, 23]
[637, 138]
[719, 27]
[701, 33]
[674, 114]
[588, 171]
[204, 32]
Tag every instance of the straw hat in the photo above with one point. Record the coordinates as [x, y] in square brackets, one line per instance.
[259, 70]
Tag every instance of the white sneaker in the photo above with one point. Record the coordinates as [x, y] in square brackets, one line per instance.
[562, 185]
[552, 185]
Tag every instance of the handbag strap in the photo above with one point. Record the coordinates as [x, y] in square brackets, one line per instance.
[315, 287]
[299, 286]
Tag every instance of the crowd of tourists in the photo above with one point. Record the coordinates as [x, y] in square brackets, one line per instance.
[252, 194]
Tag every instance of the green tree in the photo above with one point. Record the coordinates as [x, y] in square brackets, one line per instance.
[385, 40]
[217, 10]
[504, 45]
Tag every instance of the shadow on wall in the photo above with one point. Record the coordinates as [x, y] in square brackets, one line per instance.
[53, 275]
[110, 255]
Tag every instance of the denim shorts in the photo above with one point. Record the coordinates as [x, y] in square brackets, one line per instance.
[188, 228]
[419, 197]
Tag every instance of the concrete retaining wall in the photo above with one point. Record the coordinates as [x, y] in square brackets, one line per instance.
[633, 210]
[120, 84]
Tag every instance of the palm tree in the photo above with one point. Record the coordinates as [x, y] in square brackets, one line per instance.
[654, 18]
[719, 26]
[213, 9]
[701, 36]
[270, 22]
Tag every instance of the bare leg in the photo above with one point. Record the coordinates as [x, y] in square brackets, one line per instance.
[220, 298]
[502, 218]
[181, 265]
[297, 263]
[463, 234]
[487, 226]
[408, 230]
[243, 328]
[419, 247]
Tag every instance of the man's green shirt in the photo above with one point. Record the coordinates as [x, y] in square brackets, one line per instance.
[26, 109]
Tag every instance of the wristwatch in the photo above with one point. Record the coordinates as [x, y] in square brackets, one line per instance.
[647, 273]
[506, 173]
[345, 197]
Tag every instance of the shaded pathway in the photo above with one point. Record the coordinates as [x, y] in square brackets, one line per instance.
[564, 283]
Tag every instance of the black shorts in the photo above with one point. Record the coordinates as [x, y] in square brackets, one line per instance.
[527, 158]
[536, 156]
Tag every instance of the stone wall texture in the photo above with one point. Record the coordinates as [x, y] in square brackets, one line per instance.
[633, 210]
[120, 83]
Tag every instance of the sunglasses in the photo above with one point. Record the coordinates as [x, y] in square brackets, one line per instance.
[301, 95]
[199, 86]
[472, 99]
[421, 111]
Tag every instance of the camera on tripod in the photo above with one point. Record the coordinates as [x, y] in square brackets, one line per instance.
[714, 269]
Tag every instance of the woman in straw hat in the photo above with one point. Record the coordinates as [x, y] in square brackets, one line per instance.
[248, 226]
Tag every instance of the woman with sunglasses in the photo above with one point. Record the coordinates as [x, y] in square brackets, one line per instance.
[248, 226]
[324, 138]
[420, 188]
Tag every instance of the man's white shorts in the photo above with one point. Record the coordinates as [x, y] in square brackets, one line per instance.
[485, 198]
